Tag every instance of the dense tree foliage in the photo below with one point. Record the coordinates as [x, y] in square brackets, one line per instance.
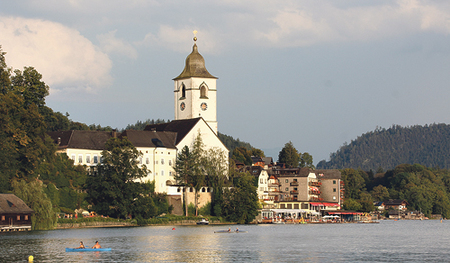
[33, 195]
[289, 155]
[232, 143]
[243, 155]
[427, 145]
[293, 158]
[241, 201]
[112, 189]
[425, 189]
[140, 125]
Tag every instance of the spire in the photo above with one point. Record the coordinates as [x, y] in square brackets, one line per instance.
[195, 64]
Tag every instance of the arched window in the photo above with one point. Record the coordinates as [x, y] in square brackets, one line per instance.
[203, 92]
[183, 91]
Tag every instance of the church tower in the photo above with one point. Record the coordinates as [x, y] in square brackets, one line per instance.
[195, 91]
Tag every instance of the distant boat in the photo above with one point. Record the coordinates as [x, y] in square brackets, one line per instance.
[230, 231]
[203, 222]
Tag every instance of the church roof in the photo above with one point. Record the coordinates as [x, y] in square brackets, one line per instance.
[77, 139]
[195, 66]
[181, 127]
[151, 139]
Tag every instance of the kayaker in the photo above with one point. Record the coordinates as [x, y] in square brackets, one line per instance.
[97, 245]
[237, 229]
[229, 229]
[81, 245]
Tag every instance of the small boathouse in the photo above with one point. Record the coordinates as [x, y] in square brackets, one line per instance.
[15, 215]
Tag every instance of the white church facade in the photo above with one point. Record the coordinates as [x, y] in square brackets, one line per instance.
[195, 108]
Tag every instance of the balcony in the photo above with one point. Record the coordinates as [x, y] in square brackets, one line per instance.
[315, 183]
[274, 185]
[294, 183]
[294, 192]
[315, 192]
[315, 199]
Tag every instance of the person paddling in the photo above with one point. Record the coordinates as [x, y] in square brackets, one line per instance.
[97, 245]
[81, 245]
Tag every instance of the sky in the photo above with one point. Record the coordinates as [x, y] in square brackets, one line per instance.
[316, 73]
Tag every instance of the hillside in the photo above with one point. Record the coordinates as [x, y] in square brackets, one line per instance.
[427, 145]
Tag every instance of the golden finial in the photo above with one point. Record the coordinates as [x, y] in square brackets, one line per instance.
[195, 35]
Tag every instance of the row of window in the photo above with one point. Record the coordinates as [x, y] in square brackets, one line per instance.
[95, 159]
[191, 189]
[25, 217]
[147, 161]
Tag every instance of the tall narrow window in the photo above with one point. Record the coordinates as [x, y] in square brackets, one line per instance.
[183, 91]
[203, 92]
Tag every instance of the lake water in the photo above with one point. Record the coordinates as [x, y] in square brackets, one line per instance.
[388, 241]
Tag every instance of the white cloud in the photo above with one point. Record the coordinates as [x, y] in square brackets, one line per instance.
[301, 23]
[62, 55]
[111, 44]
[178, 38]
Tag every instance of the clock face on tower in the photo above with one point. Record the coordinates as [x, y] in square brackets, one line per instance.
[182, 106]
[203, 106]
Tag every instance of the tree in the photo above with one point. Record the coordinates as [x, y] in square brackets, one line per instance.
[216, 169]
[380, 193]
[242, 155]
[112, 189]
[289, 155]
[352, 205]
[240, 202]
[197, 179]
[258, 152]
[183, 172]
[306, 160]
[354, 182]
[32, 193]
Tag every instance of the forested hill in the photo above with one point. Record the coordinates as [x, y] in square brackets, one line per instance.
[427, 145]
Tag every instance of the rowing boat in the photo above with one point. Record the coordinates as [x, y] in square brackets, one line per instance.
[230, 232]
[86, 249]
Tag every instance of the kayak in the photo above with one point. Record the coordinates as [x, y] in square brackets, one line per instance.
[86, 249]
[230, 232]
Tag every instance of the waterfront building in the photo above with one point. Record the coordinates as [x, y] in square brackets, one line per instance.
[15, 215]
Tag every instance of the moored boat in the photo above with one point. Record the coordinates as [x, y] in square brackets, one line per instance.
[204, 221]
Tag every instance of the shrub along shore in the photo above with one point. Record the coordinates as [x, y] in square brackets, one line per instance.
[85, 222]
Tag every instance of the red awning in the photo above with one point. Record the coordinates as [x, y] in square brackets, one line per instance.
[324, 204]
[344, 213]
[330, 204]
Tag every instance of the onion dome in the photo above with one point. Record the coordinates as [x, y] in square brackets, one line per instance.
[195, 65]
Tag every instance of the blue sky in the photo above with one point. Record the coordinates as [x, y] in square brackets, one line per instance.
[317, 73]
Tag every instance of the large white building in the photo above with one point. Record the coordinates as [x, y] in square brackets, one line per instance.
[195, 110]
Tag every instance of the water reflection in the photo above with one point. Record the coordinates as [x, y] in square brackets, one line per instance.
[412, 241]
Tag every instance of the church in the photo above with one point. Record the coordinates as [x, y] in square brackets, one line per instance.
[195, 108]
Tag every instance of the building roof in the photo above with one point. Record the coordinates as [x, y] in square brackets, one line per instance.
[181, 127]
[151, 138]
[395, 202]
[76, 139]
[328, 174]
[256, 159]
[195, 66]
[11, 204]
[267, 160]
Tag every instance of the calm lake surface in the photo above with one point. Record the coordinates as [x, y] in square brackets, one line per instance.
[388, 241]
